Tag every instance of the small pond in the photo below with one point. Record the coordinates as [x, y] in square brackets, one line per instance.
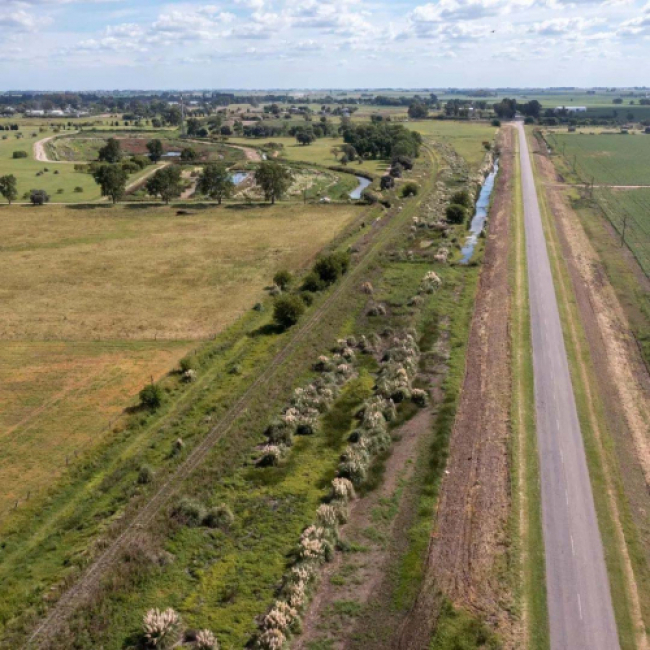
[357, 191]
[480, 215]
[239, 177]
[172, 154]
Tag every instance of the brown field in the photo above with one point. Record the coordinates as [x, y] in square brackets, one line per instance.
[97, 301]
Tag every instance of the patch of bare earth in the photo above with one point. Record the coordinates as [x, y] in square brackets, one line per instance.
[468, 552]
[622, 383]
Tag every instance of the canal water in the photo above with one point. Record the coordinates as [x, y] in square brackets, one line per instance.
[480, 215]
[357, 191]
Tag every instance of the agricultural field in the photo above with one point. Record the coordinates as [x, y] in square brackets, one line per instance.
[632, 208]
[97, 301]
[609, 159]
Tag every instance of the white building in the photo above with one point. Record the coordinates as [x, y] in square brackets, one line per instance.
[572, 109]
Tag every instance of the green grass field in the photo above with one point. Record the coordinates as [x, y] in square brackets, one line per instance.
[632, 208]
[465, 137]
[608, 159]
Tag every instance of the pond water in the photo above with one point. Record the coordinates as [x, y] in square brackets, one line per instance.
[357, 191]
[480, 215]
[239, 177]
[172, 154]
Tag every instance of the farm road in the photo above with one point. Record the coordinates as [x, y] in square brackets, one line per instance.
[580, 609]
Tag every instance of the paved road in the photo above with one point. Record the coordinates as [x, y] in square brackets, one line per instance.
[579, 601]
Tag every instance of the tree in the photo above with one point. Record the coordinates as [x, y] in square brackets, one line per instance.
[456, 213]
[330, 267]
[193, 126]
[112, 181]
[111, 152]
[287, 310]
[282, 279]
[274, 179]
[188, 155]
[216, 182]
[410, 189]
[156, 150]
[8, 187]
[461, 198]
[39, 197]
[166, 183]
[151, 396]
[418, 111]
[506, 108]
[305, 137]
[226, 130]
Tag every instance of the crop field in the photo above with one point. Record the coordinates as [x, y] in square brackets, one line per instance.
[465, 137]
[95, 302]
[610, 159]
[633, 208]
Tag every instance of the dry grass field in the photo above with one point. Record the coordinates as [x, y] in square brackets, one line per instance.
[95, 301]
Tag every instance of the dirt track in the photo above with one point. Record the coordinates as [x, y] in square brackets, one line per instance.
[470, 540]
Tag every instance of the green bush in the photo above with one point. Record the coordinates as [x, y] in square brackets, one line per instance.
[187, 363]
[456, 213]
[313, 283]
[496, 122]
[20, 154]
[461, 197]
[145, 475]
[151, 396]
[410, 189]
[330, 267]
[307, 297]
[287, 310]
[189, 512]
[219, 517]
[78, 189]
[283, 279]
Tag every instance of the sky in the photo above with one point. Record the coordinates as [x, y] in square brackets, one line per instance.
[260, 44]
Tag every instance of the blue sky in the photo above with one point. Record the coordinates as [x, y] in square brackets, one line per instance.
[151, 44]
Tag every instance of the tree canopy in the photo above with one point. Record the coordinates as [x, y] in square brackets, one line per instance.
[383, 140]
[156, 150]
[111, 152]
[274, 179]
[111, 180]
[166, 183]
[8, 187]
[216, 182]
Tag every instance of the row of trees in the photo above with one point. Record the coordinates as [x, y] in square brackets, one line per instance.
[383, 140]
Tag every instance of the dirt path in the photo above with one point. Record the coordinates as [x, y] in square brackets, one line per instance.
[470, 541]
[251, 154]
[48, 628]
[40, 153]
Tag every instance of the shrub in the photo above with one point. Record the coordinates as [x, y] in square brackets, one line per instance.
[189, 512]
[187, 363]
[330, 267]
[219, 517]
[161, 629]
[20, 154]
[59, 191]
[78, 189]
[313, 283]
[369, 197]
[151, 396]
[205, 640]
[496, 122]
[461, 197]
[307, 297]
[410, 189]
[287, 310]
[282, 279]
[456, 213]
[145, 475]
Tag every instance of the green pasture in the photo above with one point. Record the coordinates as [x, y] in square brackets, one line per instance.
[614, 159]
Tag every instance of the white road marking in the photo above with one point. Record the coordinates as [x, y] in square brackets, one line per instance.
[566, 494]
[573, 550]
[580, 606]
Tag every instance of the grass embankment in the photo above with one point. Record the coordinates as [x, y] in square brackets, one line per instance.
[624, 556]
[98, 301]
[100, 490]
[526, 521]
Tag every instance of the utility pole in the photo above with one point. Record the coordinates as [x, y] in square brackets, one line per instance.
[182, 117]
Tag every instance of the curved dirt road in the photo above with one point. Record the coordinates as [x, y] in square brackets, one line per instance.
[581, 615]
[40, 153]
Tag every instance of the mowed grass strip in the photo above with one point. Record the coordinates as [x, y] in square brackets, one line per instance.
[56, 401]
[134, 274]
